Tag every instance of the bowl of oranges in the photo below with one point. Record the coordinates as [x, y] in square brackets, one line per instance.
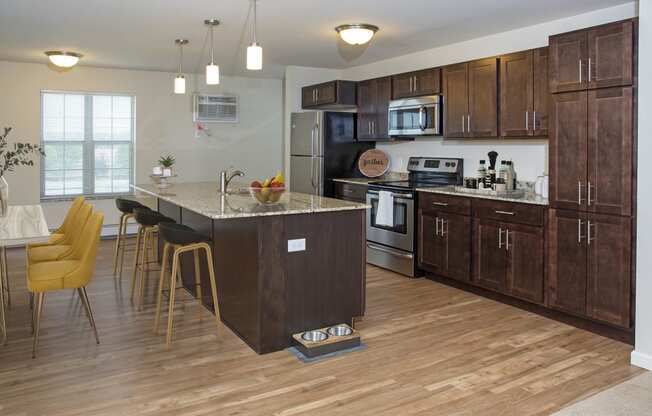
[269, 191]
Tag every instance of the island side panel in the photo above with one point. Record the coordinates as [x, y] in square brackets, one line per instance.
[204, 226]
[169, 210]
[236, 256]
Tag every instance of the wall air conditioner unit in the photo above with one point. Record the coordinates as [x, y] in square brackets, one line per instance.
[210, 108]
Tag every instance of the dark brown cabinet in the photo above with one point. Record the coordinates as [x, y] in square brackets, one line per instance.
[374, 96]
[591, 151]
[418, 83]
[445, 244]
[592, 58]
[524, 94]
[590, 265]
[491, 259]
[471, 99]
[333, 94]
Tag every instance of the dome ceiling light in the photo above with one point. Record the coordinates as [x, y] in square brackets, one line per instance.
[356, 34]
[63, 59]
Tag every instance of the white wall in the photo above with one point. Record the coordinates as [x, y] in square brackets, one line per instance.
[642, 355]
[295, 78]
[163, 125]
[530, 157]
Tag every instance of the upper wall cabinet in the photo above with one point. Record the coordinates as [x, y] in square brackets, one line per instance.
[418, 83]
[471, 99]
[374, 96]
[592, 58]
[329, 95]
[524, 94]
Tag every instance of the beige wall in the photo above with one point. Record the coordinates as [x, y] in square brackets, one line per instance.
[163, 124]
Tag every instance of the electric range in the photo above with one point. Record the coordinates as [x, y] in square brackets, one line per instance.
[392, 244]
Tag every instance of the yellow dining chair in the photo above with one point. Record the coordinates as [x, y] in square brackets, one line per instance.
[53, 252]
[73, 273]
[59, 235]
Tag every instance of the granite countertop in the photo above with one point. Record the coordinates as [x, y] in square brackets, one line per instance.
[526, 198]
[204, 198]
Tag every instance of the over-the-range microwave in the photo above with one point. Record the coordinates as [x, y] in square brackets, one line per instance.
[420, 116]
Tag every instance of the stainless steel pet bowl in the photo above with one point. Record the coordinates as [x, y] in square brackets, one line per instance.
[314, 336]
[339, 331]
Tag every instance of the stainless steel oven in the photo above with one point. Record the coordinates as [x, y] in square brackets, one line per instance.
[419, 116]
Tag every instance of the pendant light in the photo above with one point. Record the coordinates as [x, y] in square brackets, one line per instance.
[212, 70]
[63, 59]
[180, 80]
[356, 34]
[254, 51]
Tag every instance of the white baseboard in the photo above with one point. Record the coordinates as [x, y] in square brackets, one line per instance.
[642, 360]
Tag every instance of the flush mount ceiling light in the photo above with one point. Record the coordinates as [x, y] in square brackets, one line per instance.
[356, 34]
[212, 70]
[254, 50]
[180, 80]
[63, 59]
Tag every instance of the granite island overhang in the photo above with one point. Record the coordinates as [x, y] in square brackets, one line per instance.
[281, 269]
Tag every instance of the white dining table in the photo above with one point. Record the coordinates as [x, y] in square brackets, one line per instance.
[23, 224]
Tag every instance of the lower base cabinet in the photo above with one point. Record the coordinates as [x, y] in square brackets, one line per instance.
[445, 244]
[590, 265]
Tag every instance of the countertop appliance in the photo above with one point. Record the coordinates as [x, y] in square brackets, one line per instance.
[394, 246]
[323, 146]
[420, 116]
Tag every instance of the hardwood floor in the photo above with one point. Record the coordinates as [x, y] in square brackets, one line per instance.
[431, 350]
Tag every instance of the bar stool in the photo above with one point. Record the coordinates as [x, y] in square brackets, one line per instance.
[181, 239]
[148, 221]
[126, 207]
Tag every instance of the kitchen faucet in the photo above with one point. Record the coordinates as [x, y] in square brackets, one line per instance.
[225, 178]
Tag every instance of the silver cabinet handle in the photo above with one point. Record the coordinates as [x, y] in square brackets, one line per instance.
[580, 71]
[373, 127]
[579, 192]
[441, 204]
[462, 124]
[588, 232]
[500, 238]
[504, 212]
[589, 70]
[534, 120]
[579, 231]
[411, 89]
[527, 124]
[317, 94]
[507, 240]
[444, 231]
[588, 194]
[415, 83]
[468, 123]
[369, 127]
[436, 226]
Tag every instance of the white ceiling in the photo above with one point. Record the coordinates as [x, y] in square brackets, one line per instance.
[139, 34]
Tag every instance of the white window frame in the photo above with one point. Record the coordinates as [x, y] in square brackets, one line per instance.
[88, 164]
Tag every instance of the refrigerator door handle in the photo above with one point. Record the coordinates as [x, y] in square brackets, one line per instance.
[312, 173]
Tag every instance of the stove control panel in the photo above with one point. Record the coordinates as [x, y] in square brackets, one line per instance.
[435, 165]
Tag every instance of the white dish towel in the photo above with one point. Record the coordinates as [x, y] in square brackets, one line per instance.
[385, 212]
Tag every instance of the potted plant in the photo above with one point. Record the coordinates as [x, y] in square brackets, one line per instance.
[10, 157]
[166, 163]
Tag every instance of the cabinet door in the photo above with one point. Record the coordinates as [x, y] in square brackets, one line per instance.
[482, 119]
[326, 93]
[610, 55]
[516, 94]
[610, 151]
[525, 245]
[609, 270]
[456, 99]
[366, 108]
[308, 97]
[567, 154]
[381, 107]
[568, 62]
[456, 236]
[427, 82]
[431, 244]
[567, 264]
[403, 85]
[490, 255]
[541, 92]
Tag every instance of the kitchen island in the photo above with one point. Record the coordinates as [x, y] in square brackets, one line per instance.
[281, 269]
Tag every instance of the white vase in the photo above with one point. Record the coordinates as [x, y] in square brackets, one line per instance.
[4, 196]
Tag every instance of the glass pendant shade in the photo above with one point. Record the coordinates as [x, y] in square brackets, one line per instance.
[254, 57]
[179, 84]
[212, 74]
[357, 34]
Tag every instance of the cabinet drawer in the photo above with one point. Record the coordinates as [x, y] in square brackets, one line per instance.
[445, 203]
[350, 191]
[509, 212]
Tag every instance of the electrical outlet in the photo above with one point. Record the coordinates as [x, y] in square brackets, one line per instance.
[295, 245]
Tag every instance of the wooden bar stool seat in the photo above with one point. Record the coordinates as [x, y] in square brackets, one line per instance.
[148, 221]
[126, 207]
[181, 239]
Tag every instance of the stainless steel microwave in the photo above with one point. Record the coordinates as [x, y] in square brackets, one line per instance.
[420, 116]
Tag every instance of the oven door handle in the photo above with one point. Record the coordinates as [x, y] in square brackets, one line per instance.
[394, 194]
[389, 251]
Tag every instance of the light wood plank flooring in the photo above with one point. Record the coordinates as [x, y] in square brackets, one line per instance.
[432, 350]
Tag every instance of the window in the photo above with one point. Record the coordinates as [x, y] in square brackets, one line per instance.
[88, 140]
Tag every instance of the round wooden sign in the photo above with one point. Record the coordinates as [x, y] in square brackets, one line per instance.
[373, 163]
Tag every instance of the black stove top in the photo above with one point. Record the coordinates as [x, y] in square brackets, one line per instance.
[426, 172]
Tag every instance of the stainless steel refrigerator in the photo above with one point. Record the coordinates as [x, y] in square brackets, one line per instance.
[323, 146]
